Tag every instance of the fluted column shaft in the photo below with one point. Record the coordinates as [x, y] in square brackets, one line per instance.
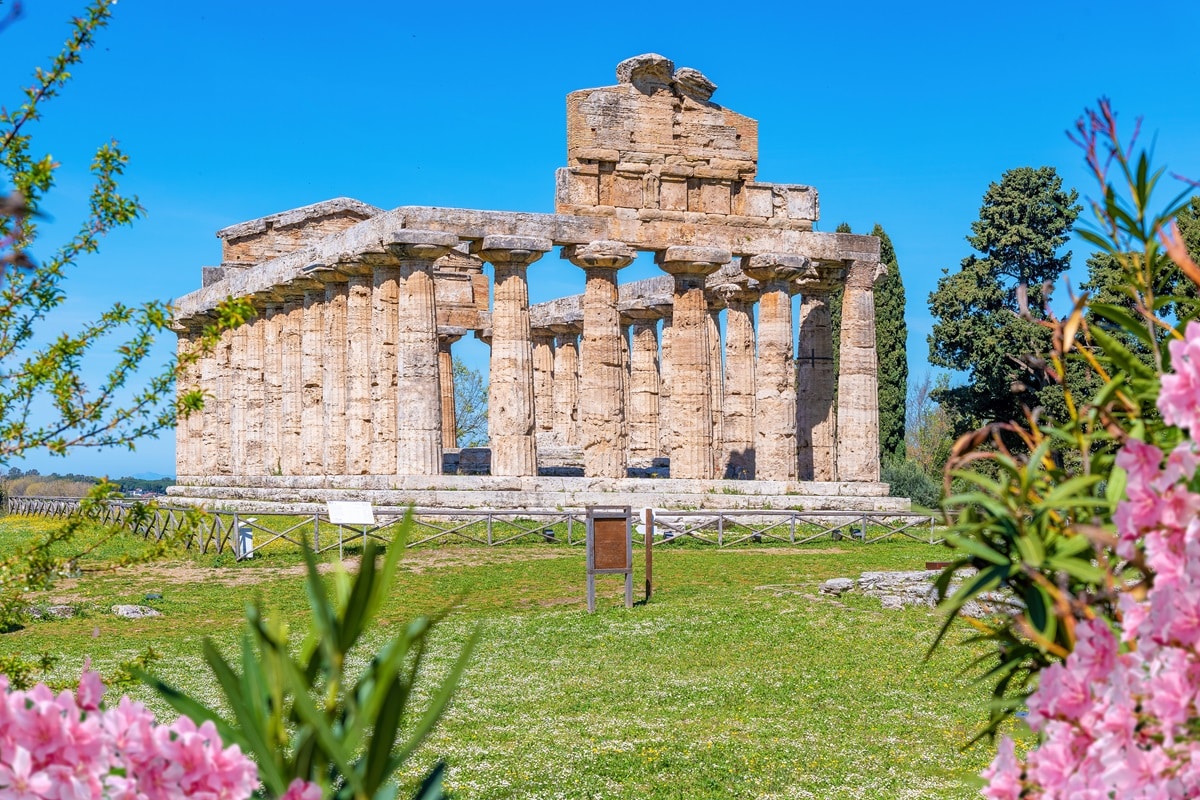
[214, 379]
[643, 390]
[510, 384]
[358, 367]
[739, 423]
[419, 421]
[385, 323]
[312, 412]
[185, 463]
[816, 421]
[335, 379]
[716, 386]
[775, 372]
[255, 397]
[292, 386]
[566, 384]
[446, 379]
[543, 380]
[858, 379]
[691, 363]
[237, 401]
[602, 430]
[664, 388]
[274, 317]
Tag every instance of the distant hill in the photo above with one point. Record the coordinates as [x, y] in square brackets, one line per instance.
[21, 483]
[152, 476]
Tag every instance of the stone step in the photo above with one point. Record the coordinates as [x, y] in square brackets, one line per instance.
[544, 483]
[262, 499]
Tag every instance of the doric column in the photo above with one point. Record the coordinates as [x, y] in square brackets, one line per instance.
[214, 380]
[446, 339]
[274, 316]
[385, 324]
[419, 408]
[510, 384]
[643, 387]
[291, 381]
[237, 400]
[858, 380]
[333, 367]
[739, 424]
[254, 366]
[775, 373]
[602, 385]
[543, 380]
[691, 394]
[188, 377]
[312, 376]
[359, 358]
[816, 422]
[716, 385]
[664, 385]
[566, 382]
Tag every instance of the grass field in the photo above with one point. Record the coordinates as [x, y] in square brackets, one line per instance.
[736, 680]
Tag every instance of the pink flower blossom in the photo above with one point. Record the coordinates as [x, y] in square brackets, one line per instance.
[68, 747]
[303, 790]
[1120, 725]
[1177, 399]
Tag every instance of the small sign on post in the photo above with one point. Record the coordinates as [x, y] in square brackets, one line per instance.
[350, 512]
[609, 548]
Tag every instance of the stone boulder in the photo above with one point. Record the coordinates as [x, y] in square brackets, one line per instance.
[135, 612]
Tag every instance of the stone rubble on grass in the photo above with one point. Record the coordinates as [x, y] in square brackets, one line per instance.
[51, 612]
[135, 612]
[897, 590]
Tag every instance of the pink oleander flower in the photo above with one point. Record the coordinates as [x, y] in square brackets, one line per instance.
[302, 790]
[1119, 725]
[67, 746]
[1177, 399]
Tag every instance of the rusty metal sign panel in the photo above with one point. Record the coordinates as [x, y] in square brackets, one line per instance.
[609, 548]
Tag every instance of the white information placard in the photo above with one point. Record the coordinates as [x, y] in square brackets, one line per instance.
[350, 512]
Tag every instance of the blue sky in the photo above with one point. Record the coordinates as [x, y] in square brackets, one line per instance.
[898, 113]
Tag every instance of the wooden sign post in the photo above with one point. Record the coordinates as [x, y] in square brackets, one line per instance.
[609, 548]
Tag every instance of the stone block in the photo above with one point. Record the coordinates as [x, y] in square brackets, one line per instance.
[626, 191]
[714, 197]
[755, 201]
[581, 189]
[673, 194]
[801, 204]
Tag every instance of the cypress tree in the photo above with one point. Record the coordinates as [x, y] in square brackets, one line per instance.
[891, 337]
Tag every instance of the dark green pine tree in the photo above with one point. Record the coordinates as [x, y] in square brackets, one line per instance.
[1023, 225]
[891, 337]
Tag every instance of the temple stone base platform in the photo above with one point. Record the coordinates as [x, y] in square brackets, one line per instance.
[282, 493]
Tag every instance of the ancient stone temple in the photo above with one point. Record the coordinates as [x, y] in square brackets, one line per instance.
[342, 385]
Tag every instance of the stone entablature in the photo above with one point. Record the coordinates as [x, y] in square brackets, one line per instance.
[345, 371]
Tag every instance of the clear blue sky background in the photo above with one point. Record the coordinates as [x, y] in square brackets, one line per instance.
[899, 113]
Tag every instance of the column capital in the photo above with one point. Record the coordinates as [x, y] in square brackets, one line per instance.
[324, 273]
[689, 260]
[639, 314]
[350, 264]
[448, 334]
[408, 244]
[266, 297]
[738, 293]
[864, 274]
[772, 269]
[512, 250]
[567, 328]
[296, 287]
[603, 254]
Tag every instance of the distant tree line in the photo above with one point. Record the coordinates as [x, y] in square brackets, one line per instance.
[31, 483]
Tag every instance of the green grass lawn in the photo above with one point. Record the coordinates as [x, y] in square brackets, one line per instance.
[736, 680]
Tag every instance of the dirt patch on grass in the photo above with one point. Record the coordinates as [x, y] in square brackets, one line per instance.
[414, 562]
